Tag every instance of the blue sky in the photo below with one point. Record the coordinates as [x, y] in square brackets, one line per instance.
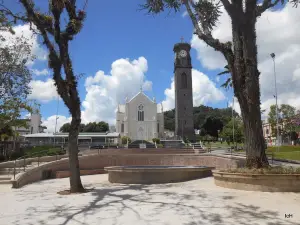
[117, 29]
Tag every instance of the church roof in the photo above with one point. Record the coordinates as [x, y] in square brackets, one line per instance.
[141, 93]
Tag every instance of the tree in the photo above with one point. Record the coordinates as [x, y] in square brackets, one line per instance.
[56, 35]
[212, 126]
[65, 128]
[228, 83]
[240, 54]
[96, 127]
[286, 116]
[227, 132]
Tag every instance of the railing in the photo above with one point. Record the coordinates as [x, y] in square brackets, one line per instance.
[34, 155]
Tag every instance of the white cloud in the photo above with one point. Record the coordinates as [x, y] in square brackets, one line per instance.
[43, 72]
[51, 121]
[204, 91]
[43, 90]
[104, 91]
[277, 31]
[184, 14]
[24, 31]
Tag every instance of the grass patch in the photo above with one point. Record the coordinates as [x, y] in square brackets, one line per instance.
[285, 148]
[270, 170]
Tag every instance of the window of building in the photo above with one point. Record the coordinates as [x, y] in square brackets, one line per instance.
[185, 122]
[267, 131]
[158, 128]
[183, 80]
[141, 113]
[122, 128]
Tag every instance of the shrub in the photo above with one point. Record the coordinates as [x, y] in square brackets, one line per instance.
[270, 170]
[124, 140]
[156, 140]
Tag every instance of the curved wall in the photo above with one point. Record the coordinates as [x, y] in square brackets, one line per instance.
[90, 162]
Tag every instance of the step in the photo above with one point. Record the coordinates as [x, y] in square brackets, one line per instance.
[5, 182]
[5, 177]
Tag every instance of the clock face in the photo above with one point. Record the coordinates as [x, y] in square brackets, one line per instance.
[182, 53]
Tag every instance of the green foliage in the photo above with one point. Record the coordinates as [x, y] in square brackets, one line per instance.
[156, 140]
[124, 140]
[157, 6]
[212, 126]
[200, 114]
[287, 115]
[40, 151]
[227, 132]
[269, 170]
[96, 127]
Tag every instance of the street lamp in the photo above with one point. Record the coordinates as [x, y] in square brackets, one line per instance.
[277, 128]
[232, 112]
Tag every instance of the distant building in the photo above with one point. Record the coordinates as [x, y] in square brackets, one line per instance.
[138, 119]
[269, 133]
[34, 125]
[85, 139]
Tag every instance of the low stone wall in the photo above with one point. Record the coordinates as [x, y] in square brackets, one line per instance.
[66, 173]
[156, 175]
[21, 162]
[92, 162]
[258, 182]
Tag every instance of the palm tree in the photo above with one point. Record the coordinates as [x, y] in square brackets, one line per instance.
[228, 83]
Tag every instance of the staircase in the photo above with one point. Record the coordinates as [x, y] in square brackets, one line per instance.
[197, 148]
[136, 144]
[6, 174]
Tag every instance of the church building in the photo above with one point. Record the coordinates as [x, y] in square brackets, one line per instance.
[140, 118]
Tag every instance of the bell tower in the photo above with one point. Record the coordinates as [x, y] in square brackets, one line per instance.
[184, 122]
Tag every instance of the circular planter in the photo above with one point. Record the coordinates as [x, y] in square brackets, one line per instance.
[258, 182]
[155, 174]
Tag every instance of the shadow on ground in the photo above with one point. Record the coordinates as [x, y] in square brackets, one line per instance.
[113, 204]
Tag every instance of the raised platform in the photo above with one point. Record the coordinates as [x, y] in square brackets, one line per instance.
[156, 174]
[258, 182]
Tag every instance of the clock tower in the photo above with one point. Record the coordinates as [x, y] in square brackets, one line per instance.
[184, 122]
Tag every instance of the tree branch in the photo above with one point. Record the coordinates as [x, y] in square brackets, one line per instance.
[54, 59]
[224, 48]
[266, 5]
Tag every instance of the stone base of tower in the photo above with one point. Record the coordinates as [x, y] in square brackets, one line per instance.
[190, 135]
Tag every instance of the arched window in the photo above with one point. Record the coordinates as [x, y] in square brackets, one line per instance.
[141, 113]
[183, 80]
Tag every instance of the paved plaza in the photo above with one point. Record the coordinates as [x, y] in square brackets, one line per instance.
[188, 203]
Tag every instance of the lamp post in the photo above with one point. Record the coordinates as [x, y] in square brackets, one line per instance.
[277, 128]
[232, 112]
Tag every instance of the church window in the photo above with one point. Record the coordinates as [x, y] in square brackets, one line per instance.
[158, 128]
[183, 81]
[141, 113]
[122, 128]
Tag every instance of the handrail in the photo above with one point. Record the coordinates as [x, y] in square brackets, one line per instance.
[29, 156]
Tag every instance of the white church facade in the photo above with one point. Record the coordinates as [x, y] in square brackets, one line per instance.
[140, 118]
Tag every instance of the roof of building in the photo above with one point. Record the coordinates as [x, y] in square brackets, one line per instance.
[141, 93]
[37, 135]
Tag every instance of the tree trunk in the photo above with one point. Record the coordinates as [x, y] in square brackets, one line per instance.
[245, 77]
[75, 181]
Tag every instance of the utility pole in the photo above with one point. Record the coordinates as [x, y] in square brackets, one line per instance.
[277, 128]
[232, 112]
